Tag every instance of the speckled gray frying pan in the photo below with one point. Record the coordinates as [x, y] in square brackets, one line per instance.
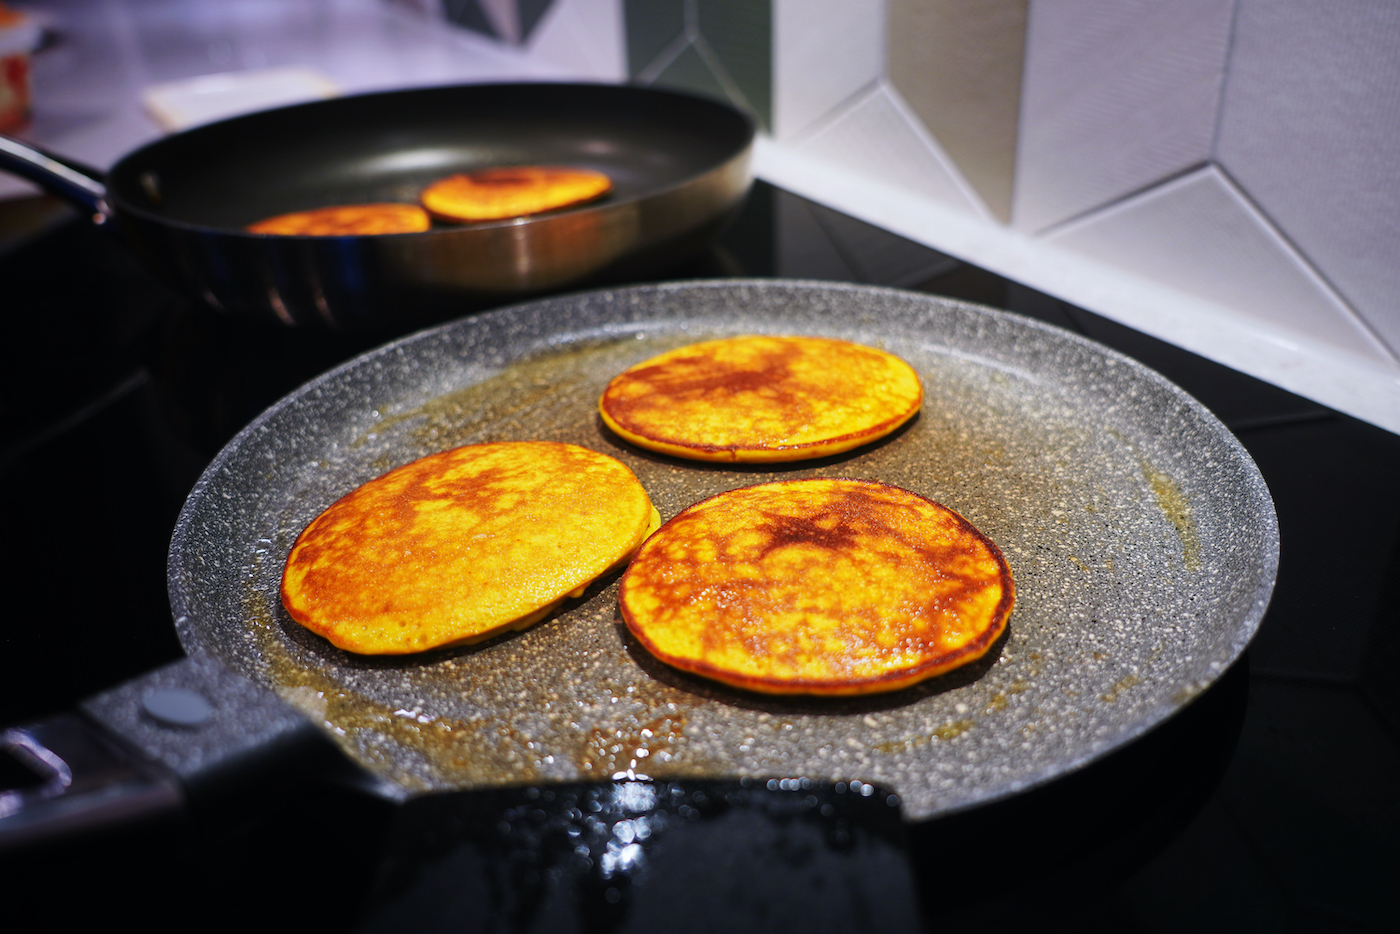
[1142, 539]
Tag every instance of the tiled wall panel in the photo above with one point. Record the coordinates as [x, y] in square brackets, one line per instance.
[877, 136]
[739, 33]
[690, 71]
[1198, 234]
[653, 27]
[723, 48]
[1311, 129]
[1117, 96]
[510, 21]
[958, 64]
[583, 36]
[824, 53]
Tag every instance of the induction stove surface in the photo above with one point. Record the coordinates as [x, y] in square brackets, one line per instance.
[118, 392]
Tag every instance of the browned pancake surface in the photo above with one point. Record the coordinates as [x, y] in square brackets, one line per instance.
[762, 399]
[460, 545]
[514, 191]
[347, 220]
[817, 587]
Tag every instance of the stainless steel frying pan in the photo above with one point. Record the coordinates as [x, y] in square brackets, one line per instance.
[1142, 538]
[679, 165]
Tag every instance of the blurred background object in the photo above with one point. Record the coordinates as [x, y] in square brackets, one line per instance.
[19, 35]
[104, 63]
[176, 105]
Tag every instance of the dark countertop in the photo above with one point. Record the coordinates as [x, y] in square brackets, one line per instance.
[1269, 804]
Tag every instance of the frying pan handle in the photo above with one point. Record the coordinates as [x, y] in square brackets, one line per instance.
[83, 781]
[182, 736]
[75, 183]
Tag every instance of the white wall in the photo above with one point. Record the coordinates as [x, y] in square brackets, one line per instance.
[1219, 173]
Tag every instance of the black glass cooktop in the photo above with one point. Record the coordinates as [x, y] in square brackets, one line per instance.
[1268, 804]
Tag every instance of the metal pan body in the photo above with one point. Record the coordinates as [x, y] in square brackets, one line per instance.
[679, 166]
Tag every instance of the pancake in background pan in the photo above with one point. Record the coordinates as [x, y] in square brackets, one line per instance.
[514, 191]
[762, 399]
[818, 586]
[347, 220]
[459, 546]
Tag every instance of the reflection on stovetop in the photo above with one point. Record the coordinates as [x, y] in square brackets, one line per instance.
[1266, 804]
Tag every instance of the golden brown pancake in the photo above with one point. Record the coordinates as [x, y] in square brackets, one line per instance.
[514, 191]
[817, 587]
[347, 220]
[756, 399]
[459, 546]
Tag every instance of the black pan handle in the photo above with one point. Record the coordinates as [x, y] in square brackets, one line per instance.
[82, 780]
[181, 736]
[79, 185]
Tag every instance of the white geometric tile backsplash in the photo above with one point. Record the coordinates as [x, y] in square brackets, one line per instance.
[1200, 235]
[1117, 96]
[1237, 155]
[1310, 129]
[958, 64]
[824, 53]
[877, 135]
[584, 37]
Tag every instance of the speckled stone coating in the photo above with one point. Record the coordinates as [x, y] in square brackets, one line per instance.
[1142, 539]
